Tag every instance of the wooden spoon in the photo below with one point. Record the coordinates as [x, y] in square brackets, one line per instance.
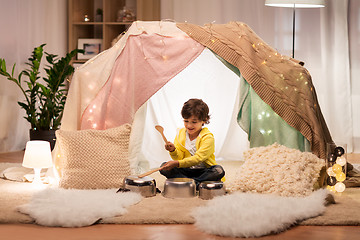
[161, 131]
[149, 172]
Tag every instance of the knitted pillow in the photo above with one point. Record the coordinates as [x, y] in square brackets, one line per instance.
[279, 170]
[94, 159]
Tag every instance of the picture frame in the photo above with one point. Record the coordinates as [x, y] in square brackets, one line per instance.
[91, 46]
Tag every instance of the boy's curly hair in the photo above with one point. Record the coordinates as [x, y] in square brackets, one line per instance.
[196, 107]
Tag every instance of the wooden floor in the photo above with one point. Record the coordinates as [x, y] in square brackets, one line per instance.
[161, 231]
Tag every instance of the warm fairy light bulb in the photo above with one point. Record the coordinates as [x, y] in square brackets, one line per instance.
[341, 176]
[339, 187]
[341, 161]
[337, 168]
[330, 172]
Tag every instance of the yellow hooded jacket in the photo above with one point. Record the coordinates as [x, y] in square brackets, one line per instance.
[205, 145]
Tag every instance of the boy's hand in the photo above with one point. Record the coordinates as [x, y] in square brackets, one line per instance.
[170, 146]
[170, 165]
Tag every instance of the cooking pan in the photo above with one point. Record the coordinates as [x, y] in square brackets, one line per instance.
[146, 186]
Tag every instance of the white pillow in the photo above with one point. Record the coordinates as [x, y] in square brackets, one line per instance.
[277, 169]
[94, 159]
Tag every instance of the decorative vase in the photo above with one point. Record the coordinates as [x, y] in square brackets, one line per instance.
[46, 135]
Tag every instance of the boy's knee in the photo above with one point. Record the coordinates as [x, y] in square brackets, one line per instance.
[219, 170]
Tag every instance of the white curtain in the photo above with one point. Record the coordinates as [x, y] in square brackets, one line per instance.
[327, 40]
[354, 49]
[334, 82]
[25, 24]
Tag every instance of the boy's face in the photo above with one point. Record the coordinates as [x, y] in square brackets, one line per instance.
[193, 126]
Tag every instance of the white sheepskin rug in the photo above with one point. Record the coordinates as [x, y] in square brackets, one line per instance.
[255, 215]
[77, 208]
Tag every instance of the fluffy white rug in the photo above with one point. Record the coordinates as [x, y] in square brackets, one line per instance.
[255, 215]
[77, 208]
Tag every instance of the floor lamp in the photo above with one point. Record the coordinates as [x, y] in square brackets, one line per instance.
[295, 4]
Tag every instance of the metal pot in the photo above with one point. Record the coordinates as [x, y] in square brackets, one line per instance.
[146, 186]
[211, 189]
[179, 188]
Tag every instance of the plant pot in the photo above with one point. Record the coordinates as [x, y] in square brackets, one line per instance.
[46, 135]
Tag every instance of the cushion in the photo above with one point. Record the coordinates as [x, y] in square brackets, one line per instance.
[279, 170]
[94, 159]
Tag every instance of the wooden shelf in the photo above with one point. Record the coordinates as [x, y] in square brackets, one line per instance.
[105, 26]
[118, 23]
[88, 23]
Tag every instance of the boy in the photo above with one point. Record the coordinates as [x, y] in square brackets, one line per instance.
[193, 149]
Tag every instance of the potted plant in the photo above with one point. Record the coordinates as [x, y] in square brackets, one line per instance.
[44, 100]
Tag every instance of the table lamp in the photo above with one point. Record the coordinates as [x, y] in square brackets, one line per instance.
[295, 4]
[37, 156]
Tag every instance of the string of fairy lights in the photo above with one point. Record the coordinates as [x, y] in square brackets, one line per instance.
[262, 51]
[267, 54]
[336, 168]
[336, 160]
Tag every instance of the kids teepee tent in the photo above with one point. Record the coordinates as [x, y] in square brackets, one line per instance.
[276, 103]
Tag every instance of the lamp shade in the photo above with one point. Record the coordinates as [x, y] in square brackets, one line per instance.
[37, 155]
[296, 3]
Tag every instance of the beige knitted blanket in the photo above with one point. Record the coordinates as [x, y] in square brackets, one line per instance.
[280, 81]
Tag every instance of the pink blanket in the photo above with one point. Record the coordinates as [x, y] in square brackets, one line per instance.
[145, 65]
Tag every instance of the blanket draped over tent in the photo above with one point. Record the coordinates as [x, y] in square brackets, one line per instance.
[150, 61]
[109, 89]
[281, 82]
